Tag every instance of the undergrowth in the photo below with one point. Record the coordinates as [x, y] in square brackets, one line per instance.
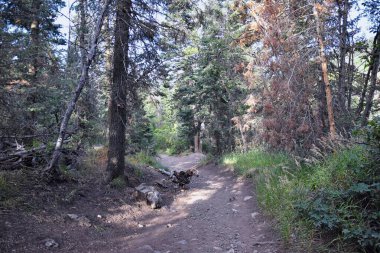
[142, 158]
[336, 199]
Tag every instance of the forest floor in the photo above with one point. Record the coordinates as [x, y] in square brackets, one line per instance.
[218, 213]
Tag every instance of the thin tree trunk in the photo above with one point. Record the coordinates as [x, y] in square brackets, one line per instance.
[82, 32]
[108, 51]
[197, 138]
[118, 100]
[342, 55]
[330, 110]
[53, 164]
[375, 70]
[244, 141]
[69, 46]
[364, 92]
[34, 64]
[196, 142]
[108, 61]
[351, 71]
[34, 38]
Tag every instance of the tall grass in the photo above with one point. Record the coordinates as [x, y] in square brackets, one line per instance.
[254, 159]
[310, 199]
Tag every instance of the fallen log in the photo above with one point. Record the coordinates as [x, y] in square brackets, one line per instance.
[22, 153]
[167, 173]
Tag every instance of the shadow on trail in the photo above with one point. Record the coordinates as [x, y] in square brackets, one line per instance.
[211, 216]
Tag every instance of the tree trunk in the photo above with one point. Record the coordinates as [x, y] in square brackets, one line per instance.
[342, 55]
[108, 62]
[364, 92]
[118, 100]
[375, 69]
[108, 52]
[330, 110]
[197, 138]
[241, 130]
[350, 79]
[53, 164]
[196, 142]
[82, 31]
[34, 38]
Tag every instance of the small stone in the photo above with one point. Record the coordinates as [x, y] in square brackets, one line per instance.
[183, 242]
[146, 248]
[84, 222]
[99, 216]
[50, 243]
[234, 211]
[247, 198]
[169, 225]
[140, 225]
[253, 215]
[73, 216]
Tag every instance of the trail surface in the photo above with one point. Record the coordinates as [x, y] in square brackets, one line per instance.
[218, 213]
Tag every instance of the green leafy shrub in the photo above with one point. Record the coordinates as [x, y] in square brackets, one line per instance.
[337, 197]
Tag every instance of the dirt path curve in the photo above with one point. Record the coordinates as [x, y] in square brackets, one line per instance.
[219, 213]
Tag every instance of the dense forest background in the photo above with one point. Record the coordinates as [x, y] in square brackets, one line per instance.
[239, 80]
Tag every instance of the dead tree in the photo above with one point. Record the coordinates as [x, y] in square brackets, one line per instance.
[52, 168]
[326, 81]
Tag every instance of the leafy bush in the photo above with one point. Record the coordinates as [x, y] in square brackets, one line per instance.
[337, 197]
[167, 139]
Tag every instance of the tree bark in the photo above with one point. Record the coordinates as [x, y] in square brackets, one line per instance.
[241, 130]
[326, 81]
[120, 86]
[197, 138]
[375, 69]
[196, 142]
[342, 55]
[350, 79]
[34, 38]
[364, 92]
[82, 31]
[53, 164]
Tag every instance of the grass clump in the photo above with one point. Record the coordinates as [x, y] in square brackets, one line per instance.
[5, 189]
[143, 158]
[244, 163]
[9, 192]
[337, 198]
[118, 183]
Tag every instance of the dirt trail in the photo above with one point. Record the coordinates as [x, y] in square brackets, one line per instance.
[219, 213]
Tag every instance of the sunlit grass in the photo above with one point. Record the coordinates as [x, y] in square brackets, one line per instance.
[254, 159]
[281, 185]
[142, 158]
